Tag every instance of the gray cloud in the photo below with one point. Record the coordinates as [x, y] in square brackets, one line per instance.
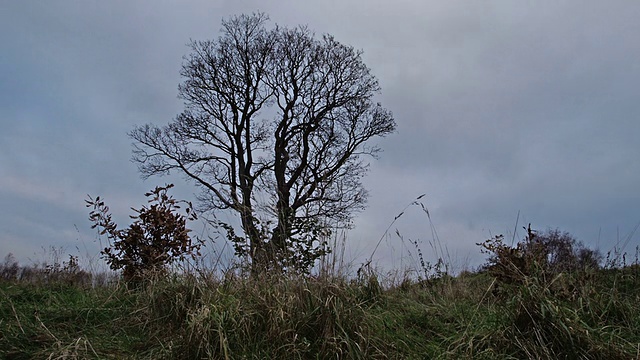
[501, 107]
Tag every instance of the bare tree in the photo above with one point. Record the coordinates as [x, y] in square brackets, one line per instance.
[275, 127]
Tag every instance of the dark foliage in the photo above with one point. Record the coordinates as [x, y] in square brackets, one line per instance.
[546, 254]
[9, 269]
[565, 253]
[157, 237]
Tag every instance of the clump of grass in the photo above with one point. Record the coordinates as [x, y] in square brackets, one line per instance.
[261, 317]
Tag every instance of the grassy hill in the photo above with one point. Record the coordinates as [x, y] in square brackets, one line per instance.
[64, 313]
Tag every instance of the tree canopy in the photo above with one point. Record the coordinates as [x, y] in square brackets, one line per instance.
[276, 127]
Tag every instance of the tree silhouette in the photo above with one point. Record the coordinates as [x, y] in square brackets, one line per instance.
[275, 127]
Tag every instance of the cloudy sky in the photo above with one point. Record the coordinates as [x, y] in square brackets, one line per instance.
[503, 108]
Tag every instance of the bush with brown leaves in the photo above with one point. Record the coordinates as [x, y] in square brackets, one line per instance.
[157, 237]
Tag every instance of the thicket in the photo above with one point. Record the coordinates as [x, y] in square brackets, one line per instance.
[544, 255]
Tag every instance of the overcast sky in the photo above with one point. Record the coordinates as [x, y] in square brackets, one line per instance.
[503, 107]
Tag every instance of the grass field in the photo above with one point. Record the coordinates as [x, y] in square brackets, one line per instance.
[67, 314]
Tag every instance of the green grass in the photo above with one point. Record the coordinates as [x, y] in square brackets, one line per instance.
[63, 321]
[581, 315]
